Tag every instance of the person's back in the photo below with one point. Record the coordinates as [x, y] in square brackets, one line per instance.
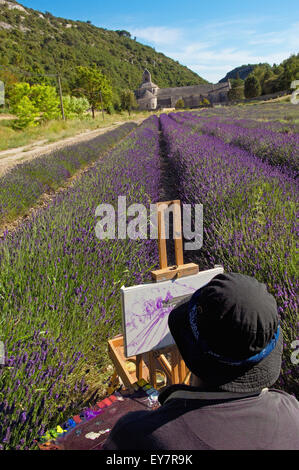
[229, 336]
[196, 420]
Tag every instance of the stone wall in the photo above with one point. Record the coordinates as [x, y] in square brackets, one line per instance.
[192, 95]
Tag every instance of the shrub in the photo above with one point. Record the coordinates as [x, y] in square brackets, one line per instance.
[252, 87]
[29, 102]
[180, 104]
[205, 102]
[46, 101]
[26, 113]
[75, 107]
[128, 101]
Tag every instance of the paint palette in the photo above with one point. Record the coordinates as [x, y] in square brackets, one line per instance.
[90, 429]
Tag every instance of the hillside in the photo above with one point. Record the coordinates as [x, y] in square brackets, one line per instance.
[243, 71]
[272, 79]
[42, 43]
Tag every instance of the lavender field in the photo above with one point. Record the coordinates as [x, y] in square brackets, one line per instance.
[59, 284]
[21, 187]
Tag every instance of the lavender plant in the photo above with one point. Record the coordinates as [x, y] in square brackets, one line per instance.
[280, 149]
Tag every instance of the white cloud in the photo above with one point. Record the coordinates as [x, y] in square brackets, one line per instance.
[214, 64]
[158, 34]
[288, 37]
[213, 49]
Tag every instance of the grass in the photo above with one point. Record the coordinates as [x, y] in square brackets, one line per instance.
[55, 130]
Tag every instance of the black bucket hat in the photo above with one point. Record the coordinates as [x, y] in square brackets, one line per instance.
[229, 335]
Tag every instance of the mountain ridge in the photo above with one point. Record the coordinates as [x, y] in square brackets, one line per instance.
[242, 70]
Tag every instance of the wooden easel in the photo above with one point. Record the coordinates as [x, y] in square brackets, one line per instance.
[146, 364]
[179, 269]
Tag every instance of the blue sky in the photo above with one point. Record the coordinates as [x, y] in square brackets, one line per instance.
[210, 38]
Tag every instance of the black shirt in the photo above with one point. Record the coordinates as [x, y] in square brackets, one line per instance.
[191, 419]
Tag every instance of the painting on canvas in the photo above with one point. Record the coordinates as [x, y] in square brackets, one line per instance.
[145, 310]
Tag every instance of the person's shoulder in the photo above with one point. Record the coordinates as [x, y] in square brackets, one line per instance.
[138, 419]
[283, 397]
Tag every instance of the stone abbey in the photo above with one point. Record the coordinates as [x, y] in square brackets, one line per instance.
[150, 96]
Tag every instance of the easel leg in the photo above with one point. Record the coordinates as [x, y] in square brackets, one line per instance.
[139, 366]
[175, 367]
[114, 382]
[152, 369]
[187, 378]
[182, 368]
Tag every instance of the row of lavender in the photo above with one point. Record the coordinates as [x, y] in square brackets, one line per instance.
[23, 185]
[59, 291]
[249, 217]
[277, 126]
[285, 113]
[280, 149]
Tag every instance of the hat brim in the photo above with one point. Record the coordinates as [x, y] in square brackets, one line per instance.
[217, 375]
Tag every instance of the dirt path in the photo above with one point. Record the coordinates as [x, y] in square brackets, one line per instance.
[11, 157]
[6, 117]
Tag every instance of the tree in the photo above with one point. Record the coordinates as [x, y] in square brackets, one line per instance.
[46, 101]
[180, 104]
[26, 114]
[290, 72]
[33, 104]
[95, 86]
[270, 86]
[252, 87]
[9, 80]
[236, 93]
[123, 33]
[116, 101]
[205, 102]
[18, 92]
[278, 69]
[75, 107]
[128, 101]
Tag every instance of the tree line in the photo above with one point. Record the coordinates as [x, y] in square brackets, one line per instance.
[35, 103]
[265, 79]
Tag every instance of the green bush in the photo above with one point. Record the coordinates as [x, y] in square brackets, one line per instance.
[205, 102]
[252, 87]
[128, 101]
[180, 104]
[18, 92]
[46, 101]
[31, 102]
[110, 109]
[26, 112]
[75, 107]
[40, 103]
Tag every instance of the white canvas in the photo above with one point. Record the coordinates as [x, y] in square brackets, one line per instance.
[146, 307]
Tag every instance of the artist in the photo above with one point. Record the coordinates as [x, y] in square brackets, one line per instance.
[230, 338]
